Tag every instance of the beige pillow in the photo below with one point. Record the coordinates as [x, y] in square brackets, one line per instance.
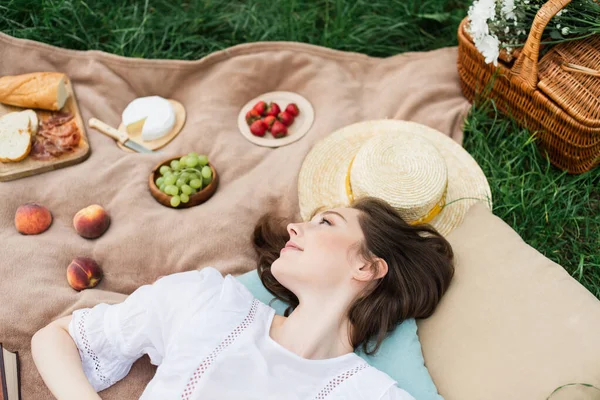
[513, 325]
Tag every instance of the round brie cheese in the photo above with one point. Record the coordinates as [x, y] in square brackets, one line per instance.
[152, 115]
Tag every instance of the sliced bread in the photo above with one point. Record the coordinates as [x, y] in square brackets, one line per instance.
[34, 120]
[15, 135]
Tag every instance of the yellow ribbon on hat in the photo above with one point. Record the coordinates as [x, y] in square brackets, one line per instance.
[349, 192]
[437, 208]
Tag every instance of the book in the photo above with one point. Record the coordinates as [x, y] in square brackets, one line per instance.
[10, 369]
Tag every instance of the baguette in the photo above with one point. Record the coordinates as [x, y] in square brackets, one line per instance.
[45, 90]
[16, 130]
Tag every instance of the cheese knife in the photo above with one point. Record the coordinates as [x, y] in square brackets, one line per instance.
[118, 135]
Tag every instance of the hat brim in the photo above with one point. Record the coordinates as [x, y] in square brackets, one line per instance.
[322, 178]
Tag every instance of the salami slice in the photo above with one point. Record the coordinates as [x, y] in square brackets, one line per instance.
[57, 135]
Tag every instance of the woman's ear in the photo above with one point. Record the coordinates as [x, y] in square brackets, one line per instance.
[372, 270]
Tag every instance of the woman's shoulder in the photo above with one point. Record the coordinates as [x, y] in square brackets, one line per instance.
[393, 391]
[207, 276]
[204, 289]
[376, 384]
[235, 296]
[396, 393]
[181, 290]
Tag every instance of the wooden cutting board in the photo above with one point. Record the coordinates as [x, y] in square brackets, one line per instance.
[28, 166]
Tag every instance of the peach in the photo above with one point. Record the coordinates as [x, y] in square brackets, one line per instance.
[32, 219]
[91, 222]
[83, 273]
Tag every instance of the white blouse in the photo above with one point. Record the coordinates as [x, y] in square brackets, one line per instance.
[210, 339]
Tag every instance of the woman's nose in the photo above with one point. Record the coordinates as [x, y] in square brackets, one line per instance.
[294, 229]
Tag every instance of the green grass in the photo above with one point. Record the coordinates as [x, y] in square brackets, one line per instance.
[556, 213]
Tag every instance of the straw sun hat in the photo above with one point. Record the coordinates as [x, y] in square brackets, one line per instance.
[421, 172]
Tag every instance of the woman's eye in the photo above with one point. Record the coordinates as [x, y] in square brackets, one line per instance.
[325, 220]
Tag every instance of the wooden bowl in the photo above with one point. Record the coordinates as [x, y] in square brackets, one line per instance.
[195, 199]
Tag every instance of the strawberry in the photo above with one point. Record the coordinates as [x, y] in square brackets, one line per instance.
[286, 118]
[258, 128]
[252, 116]
[273, 109]
[293, 109]
[269, 120]
[278, 130]
[260, 107]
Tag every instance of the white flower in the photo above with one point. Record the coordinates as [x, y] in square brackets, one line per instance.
[508, 9]
[479, 13]
[565, 31]
[489, 47]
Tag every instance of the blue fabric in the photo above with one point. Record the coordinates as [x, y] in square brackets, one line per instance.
[399, 356]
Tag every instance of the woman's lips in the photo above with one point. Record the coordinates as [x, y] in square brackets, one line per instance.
[291, 246]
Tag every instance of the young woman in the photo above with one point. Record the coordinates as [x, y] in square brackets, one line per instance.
[349, 274]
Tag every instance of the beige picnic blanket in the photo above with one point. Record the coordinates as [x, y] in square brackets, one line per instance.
[145, 239]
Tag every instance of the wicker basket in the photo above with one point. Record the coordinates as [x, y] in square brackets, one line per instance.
[557, 97]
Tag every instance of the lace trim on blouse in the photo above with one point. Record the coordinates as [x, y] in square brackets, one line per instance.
[248, 320]
[338, 380]
[87, 348]
[210, 359]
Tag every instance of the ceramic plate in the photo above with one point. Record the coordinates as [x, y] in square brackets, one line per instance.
[301, 125]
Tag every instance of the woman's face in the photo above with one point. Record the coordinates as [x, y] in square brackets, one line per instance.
[322, 254]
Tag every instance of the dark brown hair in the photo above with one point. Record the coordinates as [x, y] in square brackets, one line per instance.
[420, 267]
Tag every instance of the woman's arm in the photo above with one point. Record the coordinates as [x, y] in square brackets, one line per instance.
[57, 359]
[114, 336]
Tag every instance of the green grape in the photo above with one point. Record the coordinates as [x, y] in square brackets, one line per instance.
[196, 183]
[206, 172]
[180, 182]
[186, 176]
[160, 181]
[162, 187]
[184, 198]
[206, 181]
[175, 200]
[202, 160]
[191, 161]
[169, 177]
[183, 160]
[186, 189]
[175, 164]
[194, 191]
[164, 169]
[193, 176]
[170, 180]
[172, 190]
[193, 154]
